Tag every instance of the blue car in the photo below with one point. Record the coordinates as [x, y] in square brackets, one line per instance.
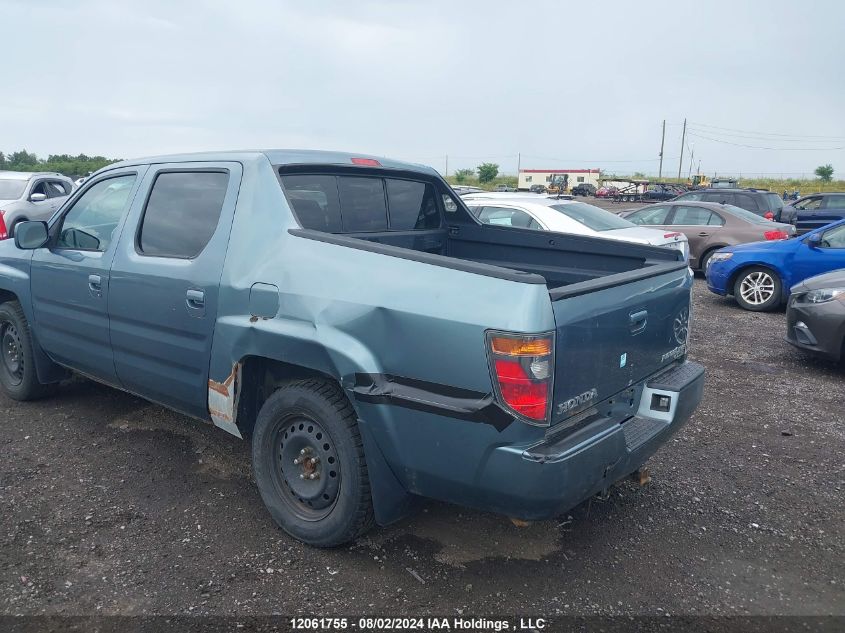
[759, 275]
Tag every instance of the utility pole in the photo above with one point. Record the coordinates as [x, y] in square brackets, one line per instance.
[662, 139]
[518, 162]
[681, 159]
[691, 160]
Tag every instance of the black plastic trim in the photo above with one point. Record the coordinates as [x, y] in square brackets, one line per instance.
[426, 258]
[431, 397]
[617, 279]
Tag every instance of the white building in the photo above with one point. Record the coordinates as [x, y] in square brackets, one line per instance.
[528, 177]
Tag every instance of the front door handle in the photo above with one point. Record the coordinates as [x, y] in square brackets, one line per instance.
[95, 285]
[703, 234]
[195, 299]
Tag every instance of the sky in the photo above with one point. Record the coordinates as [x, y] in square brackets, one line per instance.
[531, 83]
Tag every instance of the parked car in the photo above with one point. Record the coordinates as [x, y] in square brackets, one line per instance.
[289, 296]
[567, 216]
[30, 196]
[764, 203]
[606, 192]
[505, 188]
[709, 226]
[537, 188]
[583, 189]
[760, 275]
[815, 316]
[659, 193]
[814, 211]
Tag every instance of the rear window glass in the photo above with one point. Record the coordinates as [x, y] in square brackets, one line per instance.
[182, 213]
[359, 204]
[592, 217]
[412, 205]
[315, 201]
[362, 204]
[746, 215]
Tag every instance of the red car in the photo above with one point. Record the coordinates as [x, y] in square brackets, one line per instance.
[606, 192]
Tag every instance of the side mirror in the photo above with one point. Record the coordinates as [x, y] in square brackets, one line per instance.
[815, 240]
[31, 235]
[38, 197]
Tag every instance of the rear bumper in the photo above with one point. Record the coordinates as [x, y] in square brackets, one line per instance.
[549, 478]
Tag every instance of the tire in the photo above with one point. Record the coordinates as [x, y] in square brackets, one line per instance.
[307, 420]
[18, 378]
[702, 263]
[758, 289]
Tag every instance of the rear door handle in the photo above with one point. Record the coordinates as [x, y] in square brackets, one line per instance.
[95, 285]
[638, 321]
[195, 299]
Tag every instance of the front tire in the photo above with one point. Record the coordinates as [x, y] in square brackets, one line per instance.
[18, 377]
[308, 461]
[758, 289]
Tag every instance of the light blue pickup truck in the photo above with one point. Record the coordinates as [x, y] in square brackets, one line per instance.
[353, 318]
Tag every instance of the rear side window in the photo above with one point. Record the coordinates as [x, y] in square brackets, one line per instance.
[720, 197]
[412, 205]
[182, 213]
[362, 204]
[745, 201]
[695, 216]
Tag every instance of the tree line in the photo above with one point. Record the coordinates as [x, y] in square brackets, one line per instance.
[66, 164]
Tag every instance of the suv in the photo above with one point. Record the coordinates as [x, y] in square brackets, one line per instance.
[30, 196]
[583, 189]
[812, 212]
[760, 201]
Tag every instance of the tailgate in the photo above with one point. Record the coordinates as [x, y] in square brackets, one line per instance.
[616, 331]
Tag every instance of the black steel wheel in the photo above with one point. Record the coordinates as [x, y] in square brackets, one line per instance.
[18, 377]
[309, 464]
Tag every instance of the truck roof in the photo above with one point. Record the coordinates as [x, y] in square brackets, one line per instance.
[277, 157]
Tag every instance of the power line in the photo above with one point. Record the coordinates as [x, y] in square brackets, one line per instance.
[778, 149]
[798, 136]
[765, 138]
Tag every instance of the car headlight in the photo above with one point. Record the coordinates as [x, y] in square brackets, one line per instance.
[823, 295]
[719, 257]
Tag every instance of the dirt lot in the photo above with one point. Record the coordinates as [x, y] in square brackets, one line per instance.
[111, 505]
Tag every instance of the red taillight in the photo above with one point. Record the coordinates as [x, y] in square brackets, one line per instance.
[4, 234]
[522, 368]
[776, 235]
[370, 162]
[769, 215]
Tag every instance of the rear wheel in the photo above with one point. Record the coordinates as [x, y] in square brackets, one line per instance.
[758, 289]
[308, 460]
[18, 377]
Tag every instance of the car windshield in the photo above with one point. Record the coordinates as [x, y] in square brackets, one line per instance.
[745, 214]
[11, 189]
[592, 217]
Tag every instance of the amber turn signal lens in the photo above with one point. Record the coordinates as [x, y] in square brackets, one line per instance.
[521, 346]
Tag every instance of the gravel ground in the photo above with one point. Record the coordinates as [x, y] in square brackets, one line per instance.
[112, 505]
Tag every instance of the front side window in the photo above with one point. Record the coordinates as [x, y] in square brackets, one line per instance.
[834, 238]
[93, 218]
[809, 204]
[695, 216]
[655, 216]
[57, 189]
[40, 187]
[835, 202]
[182, 213]
[412, 205]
